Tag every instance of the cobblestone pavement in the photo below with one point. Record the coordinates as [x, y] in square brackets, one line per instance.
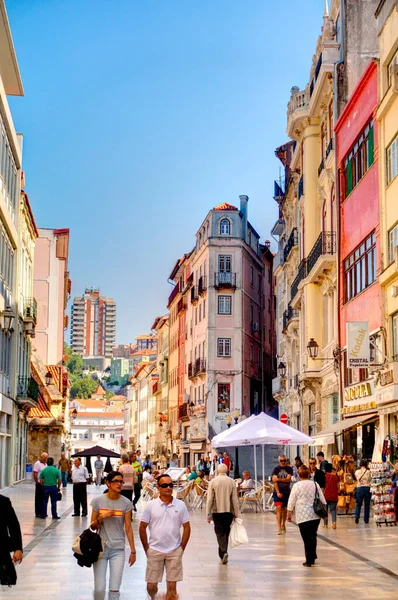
[354, 561]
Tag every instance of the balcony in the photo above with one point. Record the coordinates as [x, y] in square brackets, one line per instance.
[278, 261]
[278, 385]
[290, 244]
[183, 412]
[29, 316]
[181, 306]
[297, 108]
[301, 274]
[224, 279]
[300, 189]
[194, 294]
[27, 392]
[289, 315]
[173, 294]
[202, 285]
[321, 167]
[191, 371]
[322, 254]
[329, 148]
[200, 366]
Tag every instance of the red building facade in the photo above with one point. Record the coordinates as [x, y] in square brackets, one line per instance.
[359, 252]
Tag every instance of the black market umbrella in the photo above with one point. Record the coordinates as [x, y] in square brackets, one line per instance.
[96, 451]
[88, 465]
[108, 467]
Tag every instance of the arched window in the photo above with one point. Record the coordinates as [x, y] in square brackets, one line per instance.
[225, 227]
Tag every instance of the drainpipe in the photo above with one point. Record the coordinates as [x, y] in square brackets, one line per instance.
[338, 206]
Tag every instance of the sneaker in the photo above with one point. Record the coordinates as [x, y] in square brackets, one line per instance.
[325, 525]
[333, 525]
[225, 559]
[356, 520]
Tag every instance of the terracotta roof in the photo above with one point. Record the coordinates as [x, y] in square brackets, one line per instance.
[225, 206]
[102, 415]
[99, 391]
[149, 336]
[90, 403]
[41, 410]
[145, 352]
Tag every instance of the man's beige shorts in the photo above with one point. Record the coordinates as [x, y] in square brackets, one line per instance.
[157, 561]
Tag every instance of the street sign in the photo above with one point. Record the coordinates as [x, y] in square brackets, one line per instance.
[284, 419]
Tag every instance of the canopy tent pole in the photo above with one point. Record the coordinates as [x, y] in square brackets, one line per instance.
[255, 465]
[262, 448]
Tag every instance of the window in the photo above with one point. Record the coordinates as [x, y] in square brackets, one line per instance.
[112, 436]
[392, 243]
[360, 268]
[225, 264]
[391, 65]
[101, 436]
[269, 305]
[360, 159]
[251, 276]
[225, 227]
[200, 313]
[204, 308]
[224, 347]
[224, 397]
[395, 336]
[251, 314]
[353, 376]
[392, 160]
[259, 283]
[251, 353]
[311, 427]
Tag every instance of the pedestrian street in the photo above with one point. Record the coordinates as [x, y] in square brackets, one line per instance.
[360, 561]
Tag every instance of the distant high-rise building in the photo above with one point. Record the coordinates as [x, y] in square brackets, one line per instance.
[93, 324]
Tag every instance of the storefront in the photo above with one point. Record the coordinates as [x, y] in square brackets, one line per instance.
[386, 385]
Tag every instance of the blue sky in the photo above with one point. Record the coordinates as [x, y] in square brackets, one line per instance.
[139, 116]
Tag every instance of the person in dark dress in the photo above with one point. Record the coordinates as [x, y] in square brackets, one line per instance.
[10, 541]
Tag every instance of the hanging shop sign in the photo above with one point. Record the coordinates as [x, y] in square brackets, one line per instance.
[358, 348]
[386, 386]
[361, 390]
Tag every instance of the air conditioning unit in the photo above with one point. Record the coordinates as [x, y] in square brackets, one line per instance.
[256, 327]
[186, 398]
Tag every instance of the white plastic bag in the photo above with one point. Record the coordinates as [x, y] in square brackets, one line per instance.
[238, 534]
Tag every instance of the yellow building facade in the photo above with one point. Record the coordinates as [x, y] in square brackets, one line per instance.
[387, 116]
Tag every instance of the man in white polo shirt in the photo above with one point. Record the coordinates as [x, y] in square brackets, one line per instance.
[39, 494]
[80, 479]
[164, 517]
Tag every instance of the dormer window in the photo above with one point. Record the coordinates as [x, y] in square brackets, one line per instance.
[225, 227]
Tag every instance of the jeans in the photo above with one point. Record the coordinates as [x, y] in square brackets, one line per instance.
[39, 500]
[50, 491]
[137, 493]
[64, 477]
[222, 528]
[308, 531]
[362, 494]
[332, 508]
[115, 558]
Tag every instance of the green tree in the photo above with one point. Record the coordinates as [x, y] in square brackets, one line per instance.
[108, 395]
[82, 387]
[75, 363]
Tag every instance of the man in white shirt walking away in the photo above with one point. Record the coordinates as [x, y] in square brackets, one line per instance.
[164, 517]
[80, 479]
[222, 507]
[39, 493]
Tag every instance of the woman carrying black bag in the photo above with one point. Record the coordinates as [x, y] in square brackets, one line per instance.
[10, 541]
[301, 501]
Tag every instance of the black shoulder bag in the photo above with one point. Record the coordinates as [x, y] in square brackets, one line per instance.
[320, 509]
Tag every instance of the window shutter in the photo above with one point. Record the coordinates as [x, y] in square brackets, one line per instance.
[371, 144]
[349, 177]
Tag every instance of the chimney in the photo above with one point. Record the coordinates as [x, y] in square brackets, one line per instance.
[243, 209]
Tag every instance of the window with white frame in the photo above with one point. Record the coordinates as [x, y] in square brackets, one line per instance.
[101, 436]
[392, 160]
[225, 264]
[224, 305]
[224, 347]
[392, 243]
[394, 320]
[225, 227]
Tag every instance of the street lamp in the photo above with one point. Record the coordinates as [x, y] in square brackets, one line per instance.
[228, 420]
[313, 349]
[236, 415]
[191, 408]
[49, 378]
[282, 370]
[8, 320]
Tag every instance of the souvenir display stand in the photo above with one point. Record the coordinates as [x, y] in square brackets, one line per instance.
[382, 494]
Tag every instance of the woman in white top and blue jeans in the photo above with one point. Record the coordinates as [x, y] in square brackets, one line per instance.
[362, 492]
[112, 516]
[301, 501]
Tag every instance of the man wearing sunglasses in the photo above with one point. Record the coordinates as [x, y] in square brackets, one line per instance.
[163, 518]
[281, 478]
[316, 474]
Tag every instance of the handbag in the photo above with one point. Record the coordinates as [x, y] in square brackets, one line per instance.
[238, 534]
[320, 509]
[59, 497]
[341, 502]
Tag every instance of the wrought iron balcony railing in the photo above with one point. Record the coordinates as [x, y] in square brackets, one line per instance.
[202, 287]
[321, 167]
[191, 371]
[225, 279]
[183, 413]
[200, 365]
[30, 309]
[291, 242]
[289, 314]
[325, 244]
[301, 274]
[28, 388]
[329, 148]
[194, 294]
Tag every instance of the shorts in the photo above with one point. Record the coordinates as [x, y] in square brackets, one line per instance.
[157, 561]
[281, 501]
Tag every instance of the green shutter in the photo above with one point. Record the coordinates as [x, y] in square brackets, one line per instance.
[348, 175]
[371, 146]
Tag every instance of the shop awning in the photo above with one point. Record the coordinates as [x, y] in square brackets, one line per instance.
[327, 436]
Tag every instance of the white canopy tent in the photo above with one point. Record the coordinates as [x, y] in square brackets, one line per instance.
[260, 430]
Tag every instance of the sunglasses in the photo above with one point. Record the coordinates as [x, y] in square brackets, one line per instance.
[312, 463]
[117, 481]
[282, 461]
[166, 485]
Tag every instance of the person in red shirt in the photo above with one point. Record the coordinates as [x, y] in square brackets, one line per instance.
[331, 493]
[227, 461]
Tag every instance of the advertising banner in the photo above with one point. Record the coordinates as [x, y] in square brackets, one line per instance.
[358, 349]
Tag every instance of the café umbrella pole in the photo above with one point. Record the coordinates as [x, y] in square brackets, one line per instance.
[255, 466]
[262, 448]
